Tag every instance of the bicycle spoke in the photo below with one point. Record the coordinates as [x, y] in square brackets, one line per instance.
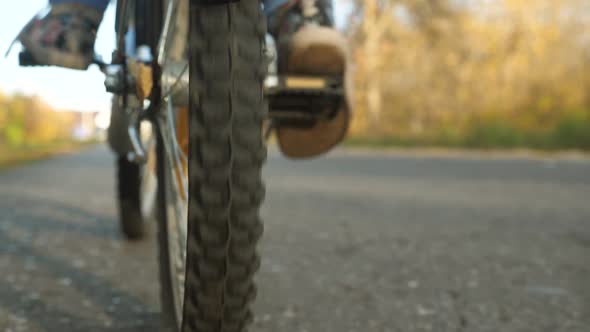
[177, 161]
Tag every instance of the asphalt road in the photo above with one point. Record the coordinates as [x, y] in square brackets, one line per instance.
[357, 241]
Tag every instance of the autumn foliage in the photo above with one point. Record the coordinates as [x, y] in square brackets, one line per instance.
[472, 73]
[28, 121]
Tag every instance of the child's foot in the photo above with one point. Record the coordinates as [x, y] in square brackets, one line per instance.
[309, 45]
[307, 41]
[64, 37]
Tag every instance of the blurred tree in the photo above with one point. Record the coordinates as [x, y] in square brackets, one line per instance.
[426, 66]
[26, 120]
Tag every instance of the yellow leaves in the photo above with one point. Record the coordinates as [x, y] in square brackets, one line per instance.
[519, 59]
[27, 120]
[452, 60]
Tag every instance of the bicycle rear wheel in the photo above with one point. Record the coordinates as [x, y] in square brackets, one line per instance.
[139, 21]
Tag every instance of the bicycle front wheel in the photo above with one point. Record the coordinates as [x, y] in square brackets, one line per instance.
[208, 252]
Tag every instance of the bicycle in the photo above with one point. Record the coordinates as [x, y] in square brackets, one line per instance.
[207, 263]
[197, 72]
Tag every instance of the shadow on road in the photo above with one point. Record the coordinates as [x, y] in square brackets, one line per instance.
[46, 215]
[26, 217]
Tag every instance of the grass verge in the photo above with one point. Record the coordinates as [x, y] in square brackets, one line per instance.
[570, 132]
[14, 156]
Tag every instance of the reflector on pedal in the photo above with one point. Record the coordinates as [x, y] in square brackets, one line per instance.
[305, 83]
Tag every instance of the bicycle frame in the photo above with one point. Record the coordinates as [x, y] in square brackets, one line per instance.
[284, 91]
[147, 94]
[295, 100]
[136, 75]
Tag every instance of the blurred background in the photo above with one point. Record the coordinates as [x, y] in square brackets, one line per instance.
[472, 73]
[452, 73]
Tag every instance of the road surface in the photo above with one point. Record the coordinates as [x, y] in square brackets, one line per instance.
[355, 242]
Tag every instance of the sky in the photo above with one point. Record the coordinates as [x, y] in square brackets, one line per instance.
[64, 89]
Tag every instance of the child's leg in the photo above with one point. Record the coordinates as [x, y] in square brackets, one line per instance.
[101, 5]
